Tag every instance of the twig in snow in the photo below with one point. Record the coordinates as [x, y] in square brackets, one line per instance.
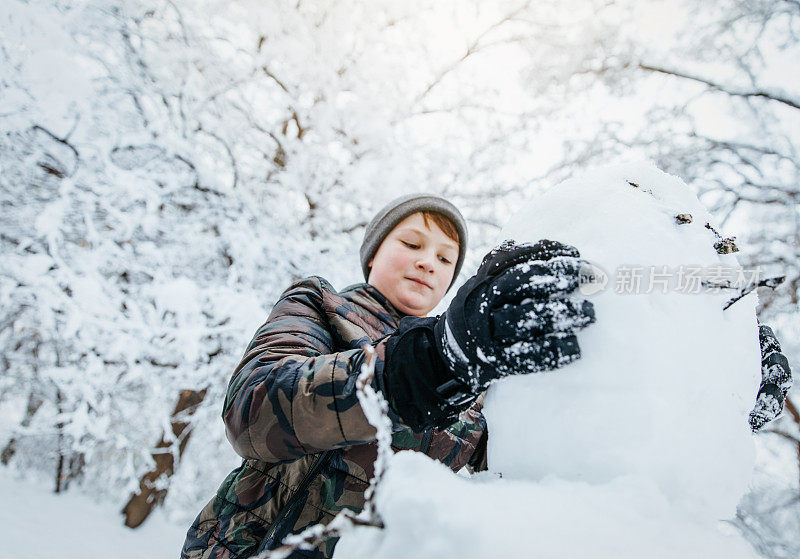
[772, 283]
[724, 245]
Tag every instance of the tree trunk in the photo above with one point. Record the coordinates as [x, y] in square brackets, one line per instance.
[70, 464]
[34, 403]
[793, 411]
[142, 503]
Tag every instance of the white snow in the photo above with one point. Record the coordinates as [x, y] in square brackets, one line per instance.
[432, 513]
[640, 448]
[35, 523]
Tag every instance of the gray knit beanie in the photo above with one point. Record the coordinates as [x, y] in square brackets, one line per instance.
[396, 211]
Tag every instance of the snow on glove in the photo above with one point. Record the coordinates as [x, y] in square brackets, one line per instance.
[516, 315]
[776, 380]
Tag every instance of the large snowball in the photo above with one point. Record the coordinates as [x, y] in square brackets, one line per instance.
[666, 379]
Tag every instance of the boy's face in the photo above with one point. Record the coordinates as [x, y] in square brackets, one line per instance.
[414, 265]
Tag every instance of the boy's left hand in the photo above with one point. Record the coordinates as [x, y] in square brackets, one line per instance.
[776, 380]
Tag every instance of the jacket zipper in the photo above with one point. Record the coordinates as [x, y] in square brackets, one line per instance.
[310, 475]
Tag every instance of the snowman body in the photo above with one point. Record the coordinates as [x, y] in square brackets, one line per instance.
[666, 376]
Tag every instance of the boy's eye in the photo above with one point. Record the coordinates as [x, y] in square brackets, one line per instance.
[445, 260]
[410, 245]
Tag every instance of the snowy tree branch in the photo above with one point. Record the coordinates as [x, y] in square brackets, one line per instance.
[275, 79]
[730, 90]
[231, 156]
[62, 141]
[784, 435]
[473, 47]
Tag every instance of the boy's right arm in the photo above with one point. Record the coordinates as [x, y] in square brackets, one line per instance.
[291, 394]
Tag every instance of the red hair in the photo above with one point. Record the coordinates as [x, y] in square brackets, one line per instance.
[447, 226]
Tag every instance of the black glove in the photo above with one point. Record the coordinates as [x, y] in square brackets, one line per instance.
[415, 378]
[513, 316]
[776, 380]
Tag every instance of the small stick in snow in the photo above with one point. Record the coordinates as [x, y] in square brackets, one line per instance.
[772, 283]
[724, 245]
[683, 218]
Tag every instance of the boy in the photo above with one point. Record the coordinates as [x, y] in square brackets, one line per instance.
[291, 410]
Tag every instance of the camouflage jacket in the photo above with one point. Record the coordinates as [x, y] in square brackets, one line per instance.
[292, 412]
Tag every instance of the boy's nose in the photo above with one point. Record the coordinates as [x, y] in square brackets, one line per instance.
[425, 264]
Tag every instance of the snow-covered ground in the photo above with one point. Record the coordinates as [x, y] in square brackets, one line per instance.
[35, 523]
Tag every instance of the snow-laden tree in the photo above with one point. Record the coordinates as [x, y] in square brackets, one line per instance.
[169, 167]
[117, 285]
